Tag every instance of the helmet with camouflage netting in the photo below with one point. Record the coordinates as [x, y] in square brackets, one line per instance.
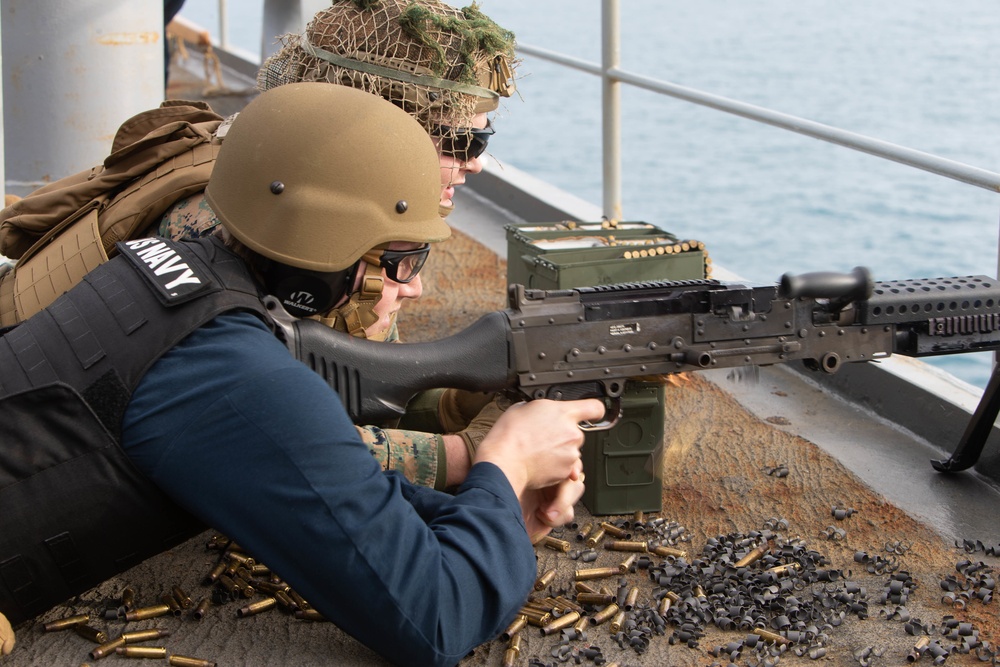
[440, 64]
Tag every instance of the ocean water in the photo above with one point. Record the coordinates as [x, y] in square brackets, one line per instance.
[920, 73]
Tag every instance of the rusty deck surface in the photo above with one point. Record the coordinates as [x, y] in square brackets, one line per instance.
[720, 483]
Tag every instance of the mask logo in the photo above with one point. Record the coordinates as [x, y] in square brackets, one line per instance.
[301, 298]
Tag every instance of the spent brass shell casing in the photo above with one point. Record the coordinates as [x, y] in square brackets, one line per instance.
[175, 606]
[564, 603]
[509, 658]
[767, 635]
[300, 602]
[594, 598]
[139, 636]
[547, 577]
[515, 627]
[270, 587]
[581, 625]
[515, 643]
[785, 569]
[617, 622]
[638, 517]
[241, 558]
[182, 598]
[229, 585]
[668, 551]
[128, 598]
[626, 564]
[625, 545]
[147, 612]
[582, 587]
[595, 537]
[259, 570]
[66, 623]
[631, 597]
[605, 614]
[257, 607]
[141, 651]
[596, 573]
[584, 532]
[753, 556]
[664, 606]
[536, 617]
[673, 597]
[106, 649]
[284, 600]
[184, 661]
[615, 531]
[215, 573]
[309, 615]
[555, 544]
[201, 609]
[560, 623]
[90, 633]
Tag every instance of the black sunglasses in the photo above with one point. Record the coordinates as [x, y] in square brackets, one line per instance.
[463, 143]
[400, 266]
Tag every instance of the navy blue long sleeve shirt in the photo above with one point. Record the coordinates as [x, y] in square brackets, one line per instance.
[259, 447]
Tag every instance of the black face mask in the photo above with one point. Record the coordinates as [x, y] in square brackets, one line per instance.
[304, 293]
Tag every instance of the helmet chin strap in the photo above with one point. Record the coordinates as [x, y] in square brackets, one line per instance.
[359, 313]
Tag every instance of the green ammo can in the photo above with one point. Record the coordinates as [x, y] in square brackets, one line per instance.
[624, 464]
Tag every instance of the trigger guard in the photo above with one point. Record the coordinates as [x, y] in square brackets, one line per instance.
[606, 423]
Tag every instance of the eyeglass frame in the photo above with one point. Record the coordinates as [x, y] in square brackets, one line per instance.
[477, 140]
[389, 261]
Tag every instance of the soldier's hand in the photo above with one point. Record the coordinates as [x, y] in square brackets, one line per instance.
[476, 429]
[551, 507]
[6, 636]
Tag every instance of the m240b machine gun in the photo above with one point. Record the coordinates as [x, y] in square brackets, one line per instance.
[586, 342]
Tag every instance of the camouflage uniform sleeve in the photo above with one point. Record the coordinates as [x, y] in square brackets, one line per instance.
[419, 456]
[189, 218]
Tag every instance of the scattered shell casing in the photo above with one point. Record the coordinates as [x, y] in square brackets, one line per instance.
[767, 635]
[625, 545]
[300, 602]
[90, 633]
[631, 597]
[560, 623]
[66, 623]
[605, 614]
[582, 587]
[596, 573]
[547, 577]
[138, 636]
[257, 607]
[270, 587]
[141, 651]
[563, 603]
[584, 532]
[595, 537]
[515, 627]
[594, 598]
[128, 598]
[536, 617]
[284, 600]
[785, 569]
[752, 557]
[509, 658]
[309, 615]
[555, 544]
[201, 609]
[183, 599]
[617, 622]
[626, 564]
[669, 551]
[106, 649]
[184, 661]
[215, 573]
[169, 600]
[615, 531]
[664, 606]
[147, 612]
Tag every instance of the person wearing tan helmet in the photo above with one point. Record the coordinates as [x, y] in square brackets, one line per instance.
[174, 337]
[448, 69]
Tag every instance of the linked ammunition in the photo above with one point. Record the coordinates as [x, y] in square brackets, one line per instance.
[615, 531]
[560, 623]
[555, 544]
[515, 627]
[184, 661]
[595, 537]
[617, 622]
[605, 614]
[257, 607]
[201, 609]
[90, 633]
[139, 636]
[595, 573]
[669, 551]
[182, 598]
[141, 651]
[147, 612]
[106, 649]
[625, 545]
[66, 623]
[547, 577]
[309, 615]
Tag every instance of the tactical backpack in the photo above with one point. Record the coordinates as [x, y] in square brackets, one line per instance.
[65, 229]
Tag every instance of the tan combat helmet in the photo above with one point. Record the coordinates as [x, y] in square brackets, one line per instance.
[313, 176]
[440, 64]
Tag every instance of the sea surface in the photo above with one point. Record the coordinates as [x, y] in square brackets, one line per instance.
[919, 73]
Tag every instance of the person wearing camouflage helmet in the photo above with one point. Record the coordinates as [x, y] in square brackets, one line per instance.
[448, 69]
[217, 414]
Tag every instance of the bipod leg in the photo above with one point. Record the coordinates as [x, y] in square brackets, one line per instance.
[979, 428]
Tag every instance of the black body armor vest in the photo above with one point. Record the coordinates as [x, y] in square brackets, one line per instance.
[74, 511]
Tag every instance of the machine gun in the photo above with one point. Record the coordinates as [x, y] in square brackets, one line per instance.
[586, 342]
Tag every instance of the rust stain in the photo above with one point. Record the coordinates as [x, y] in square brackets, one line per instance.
[129, 38]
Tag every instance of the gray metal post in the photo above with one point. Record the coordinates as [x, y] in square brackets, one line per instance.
[611, 118]
[72, 72]
[285, 16]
